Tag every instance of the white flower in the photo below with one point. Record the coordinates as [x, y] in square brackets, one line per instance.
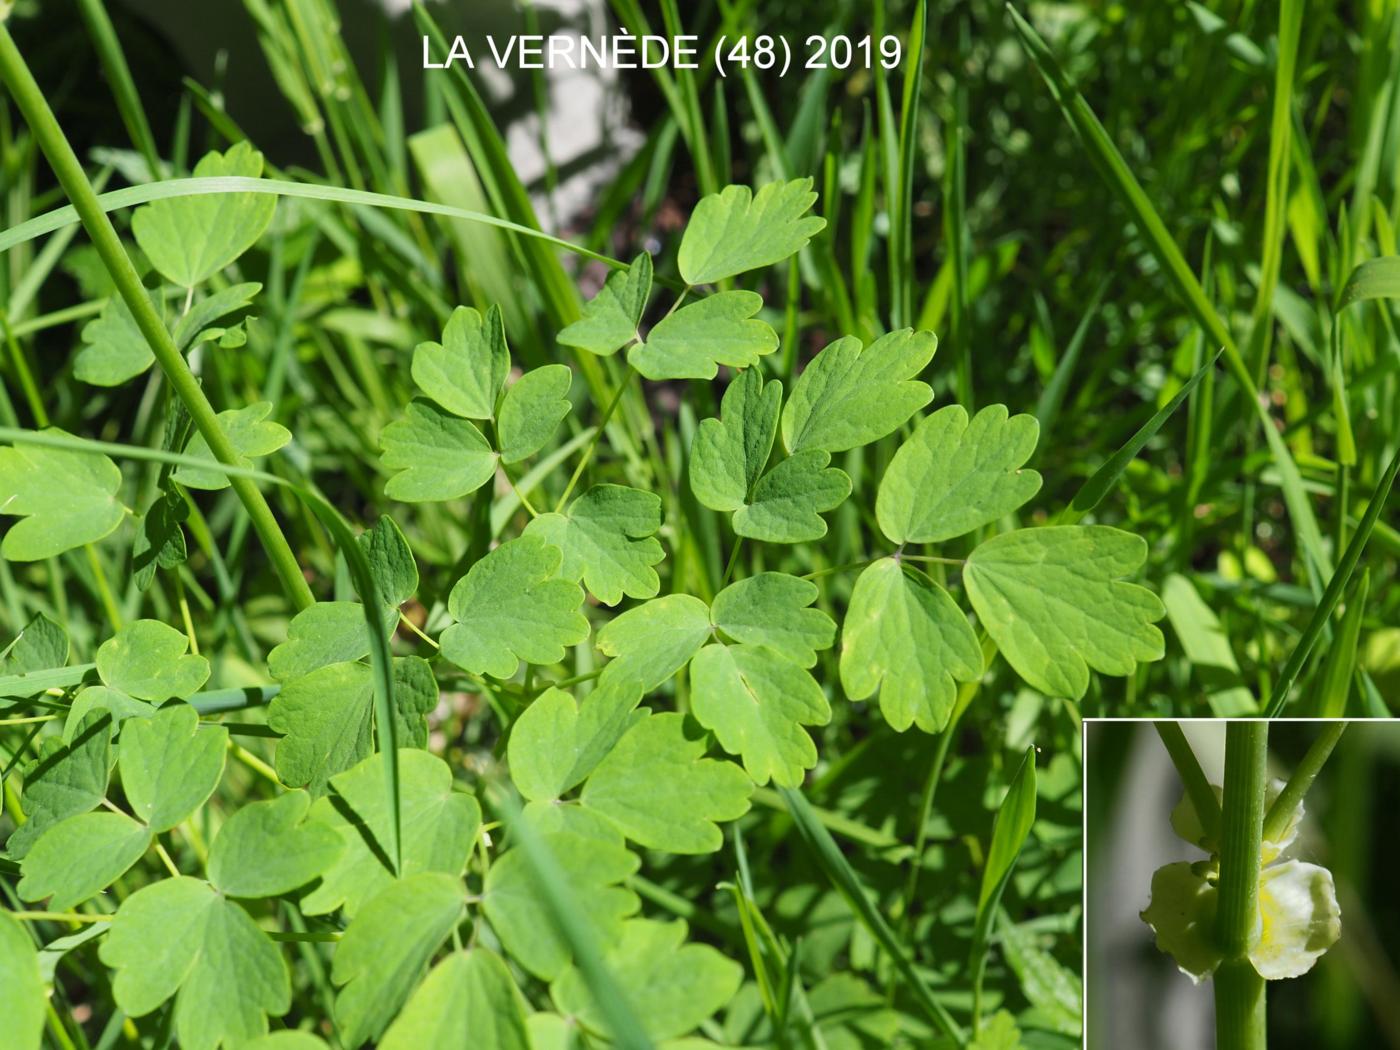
[1298, 916]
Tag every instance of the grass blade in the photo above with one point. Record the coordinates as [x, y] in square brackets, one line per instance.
[844, 878]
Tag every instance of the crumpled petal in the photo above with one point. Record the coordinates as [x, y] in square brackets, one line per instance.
[1181, 913]
[1299, 919]
[1187, 825]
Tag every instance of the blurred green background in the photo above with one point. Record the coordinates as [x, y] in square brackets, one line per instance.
[1135, 995]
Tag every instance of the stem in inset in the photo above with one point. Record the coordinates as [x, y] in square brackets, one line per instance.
[1193, 778]
[1239, 990]
[1276, 819]
[28, 96]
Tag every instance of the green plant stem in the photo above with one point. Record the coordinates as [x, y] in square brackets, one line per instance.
[1276, 819]
[29, 98]
[1239, 990]
[1193, 778]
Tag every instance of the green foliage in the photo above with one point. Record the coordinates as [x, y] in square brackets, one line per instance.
[170, 765]
[148, 660]
[252, 437]
[607, 538]
[466, 372]
[21, 986]
[695, 340]
[611, 318]
[736, 230]
[469, 997]
[64, 500]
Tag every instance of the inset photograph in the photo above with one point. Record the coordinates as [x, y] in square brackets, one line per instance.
[1240, 889]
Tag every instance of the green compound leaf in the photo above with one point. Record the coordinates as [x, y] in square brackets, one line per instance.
[439, 828]
[114, 349]
[1055, 991]
[466, 371]
[661, 792]
[23, 999]
[170, 765]
[734, 231]
[321, 634]
[756, 702]
[386, 950]
[951, 477]
[69, 777]
[469, 999]
[326, 718]
[40, 646]
[999, 1033]
[437, 455]
[287, 1039]
[179, 937]
[729, 453]
[555, 742]
[161, 542]
[1053, 601]
[512, 606]
[532, 410]
[695, 340]
[269, 848]
[655, 640]
[611, 317]
[848, 396]
[789, 500]
[194, 327]
[100, 699]
[771, 609]
[80, 857]
[147, 659]
[189, 239]
[673, 986]
[391, 562]
[904, 636]
[252, 437]
[593, 857]
[65, 499]
[608, 540]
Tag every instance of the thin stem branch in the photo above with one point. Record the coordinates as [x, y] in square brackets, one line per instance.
[1193, 778]
[30, 100]
[1276, 819]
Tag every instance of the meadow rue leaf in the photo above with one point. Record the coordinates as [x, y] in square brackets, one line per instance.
[608, 540]
[269, 848]
[904, 636]
[114, 350]
[1054, 990]
[1182, 914]
[953, 476]
[170, 765]
[194, 325]
[160, 543]
[80, 857]
[147, 659]
[611, 317]
[512, 606]
[40, 645]
[287, 1039]
[556, 742]
[593, 858]
[391, 562]
[179, 937]
[672, 986]
[1299, 919]
[653, 641]
[99, 698]
[849, 396]
[661, 791]
[756, 702]
[321, 634]
[1052, 599]
[466, 371]
[23, 999]
[788, 501]
[999, 1033]
[439, 827]
[64, 499]
[386, 949]
[469, 999]
[252, 437]
[695, 340]
[735, 230]
[189, 239]
[532, 410]
[729, 453]
[437, 455]
[326, 718]
[771, 608]
[69, 777]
